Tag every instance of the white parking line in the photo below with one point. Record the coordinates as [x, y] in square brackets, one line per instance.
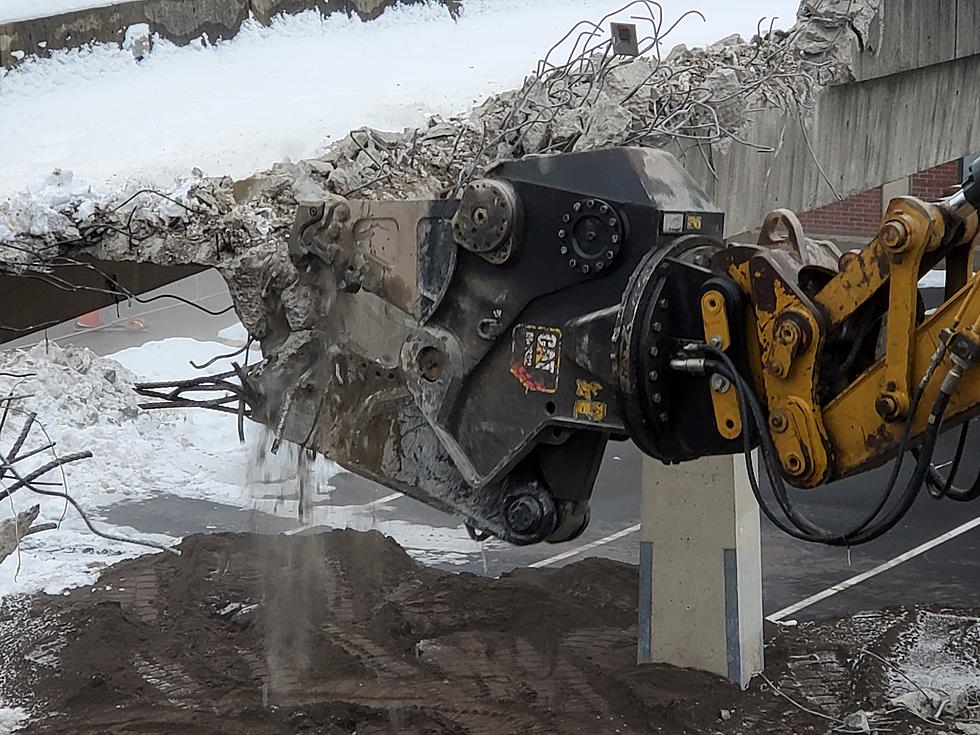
[349, 508]
[585, 547]
[864, 576]
[379, 501]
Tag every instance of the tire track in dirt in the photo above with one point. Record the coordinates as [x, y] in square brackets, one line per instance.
[341, 632]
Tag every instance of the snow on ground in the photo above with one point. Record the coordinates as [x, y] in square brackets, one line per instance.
[268, 485]
[12, 719]
[943, 654]
[285, 91]
[85, 402]
[236, 334]
[11, 10]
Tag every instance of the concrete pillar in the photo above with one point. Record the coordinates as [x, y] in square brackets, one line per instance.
[898, 188]
[700, 568]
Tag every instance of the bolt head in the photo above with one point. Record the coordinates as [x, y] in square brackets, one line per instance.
[657, 326]
[572, 263]
[562, 233]
[886, 406]
[789, 333]
[577, 207]
[341, 213]
[846, 258]
[431, 362]
[893, 235]
[524, 514]
[777, 369]
[563, 250]
[653, 375]
[795, 464]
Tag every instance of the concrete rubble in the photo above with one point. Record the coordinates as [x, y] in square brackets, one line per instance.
[12, 530]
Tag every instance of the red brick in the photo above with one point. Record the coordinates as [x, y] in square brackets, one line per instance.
[860, 214]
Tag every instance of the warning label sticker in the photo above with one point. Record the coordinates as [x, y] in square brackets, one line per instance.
[536, 357]
[588, 407]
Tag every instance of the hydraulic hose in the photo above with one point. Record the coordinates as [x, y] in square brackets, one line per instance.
[802, 528]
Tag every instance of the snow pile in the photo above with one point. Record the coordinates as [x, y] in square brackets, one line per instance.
[50, 208]
[69, 387]
[86, 403]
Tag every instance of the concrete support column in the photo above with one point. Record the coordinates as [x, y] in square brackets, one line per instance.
[700, 568]
[898, 188]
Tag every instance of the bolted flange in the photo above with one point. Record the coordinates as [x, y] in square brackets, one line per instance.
[590, 235]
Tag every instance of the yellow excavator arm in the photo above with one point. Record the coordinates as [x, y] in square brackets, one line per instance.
[822, 413]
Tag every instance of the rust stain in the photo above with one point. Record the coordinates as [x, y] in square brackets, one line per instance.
[880, 441]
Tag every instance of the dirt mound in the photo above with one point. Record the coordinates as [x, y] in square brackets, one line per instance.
[342, 632]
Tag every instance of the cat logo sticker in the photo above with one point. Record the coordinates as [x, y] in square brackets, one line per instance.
[536, 357]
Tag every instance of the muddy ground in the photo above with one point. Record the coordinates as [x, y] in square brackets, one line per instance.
[342, 632]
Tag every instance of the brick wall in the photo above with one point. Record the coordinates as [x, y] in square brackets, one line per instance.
[929, 184]
[860, 215]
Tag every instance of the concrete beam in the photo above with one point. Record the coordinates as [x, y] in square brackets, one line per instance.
[30, 305]
[910, 34]
[899, 188]
[862, 134]
[700, 568]
[967, 23]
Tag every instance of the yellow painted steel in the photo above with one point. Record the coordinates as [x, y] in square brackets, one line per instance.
[861, 439]
[789, 368]
[716, 329]
[861, 427]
